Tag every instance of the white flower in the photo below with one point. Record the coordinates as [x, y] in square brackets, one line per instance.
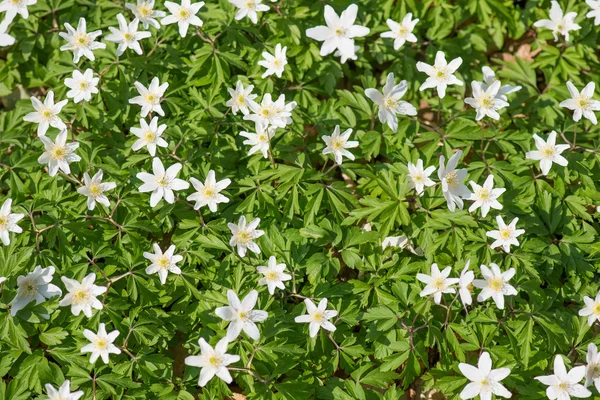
[82, 85]
[489, 77]
[8, 222]
[243, 236]
[345, 57]
[81, 42]
[592, 369]
[402, 242]
[495, 284]
[82, 296]
[101, 344]
[58, 154]
[441, 74]
[562, 385]
[273, 275]
[260, 141]
[14, 7]
[338, 143]
[150, 136]
[242, 315]
[595, 13]
[46, 113]
[464, 283]
[591, 309]
[582, 103]
[437, 283]
[63, 392]
[486, 101]
[401, 32]
[249, 8]
[163, 263]
[389, 102]
[506, 234]
[339, 32]
[145, 12]
[485, 196]
[419, 177]
[184, 15]
[209, 192]
[34, 286]
[559, 23]
[213, 361]
[276, 63]
[453, 188]
[162, 183]
[548, 152]
[267, 113]
[241, 98]
[484, 380]
[149, 99]
[317, 317]
[127, 36]
[94, 190]
[5, 38]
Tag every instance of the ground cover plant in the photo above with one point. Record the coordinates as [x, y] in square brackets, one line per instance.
[387, 199]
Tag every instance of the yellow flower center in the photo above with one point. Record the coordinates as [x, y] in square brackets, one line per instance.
[243, 315]
[496, 284]
[128, 36]
[272, 276]
[391, 103]
[504, 233]
[58, 153]
[340, 31]
[596, 309]
[484, 194]
[82, 39]
[163, 262]
[595, 370]
[215, 361]
[319, 316]
[241, 99]
[337, 144]
[163, 181]
[47, 114]
[3, 222]
[102, 344]
[83, 85]
[151, 98]
[149, 136]
[548, 151]
[451, 179]
[584, 102]
[184, 13]
[438, 283]
[144, 10]
[30, 288]
[81, 296]
[487, 102]
[402, 30]
[95, 189]
[209, 191]
[244, 237]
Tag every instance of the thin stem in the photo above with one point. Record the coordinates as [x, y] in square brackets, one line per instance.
[337, 347]
[271, 155]
[251, 372]
[331, 168]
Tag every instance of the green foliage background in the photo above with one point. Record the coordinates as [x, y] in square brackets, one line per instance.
[389, 338]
